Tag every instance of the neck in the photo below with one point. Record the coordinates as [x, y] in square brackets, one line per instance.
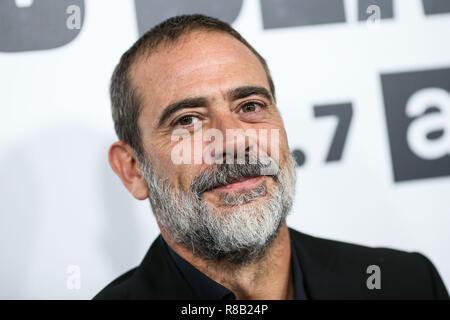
[269, 277]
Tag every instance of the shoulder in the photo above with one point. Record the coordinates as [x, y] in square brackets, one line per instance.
[157, 277]
[117, 289]
[403, 274]
[333, 250]
[134, 283]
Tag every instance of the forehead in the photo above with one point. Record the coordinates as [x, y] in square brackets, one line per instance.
[198, 64]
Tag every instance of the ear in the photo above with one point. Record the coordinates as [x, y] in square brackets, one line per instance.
[123, 161]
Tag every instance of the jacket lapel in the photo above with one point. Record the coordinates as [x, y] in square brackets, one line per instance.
[158, 278]
[318, 264]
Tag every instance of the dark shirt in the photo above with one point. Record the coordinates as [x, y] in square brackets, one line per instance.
[208, 289]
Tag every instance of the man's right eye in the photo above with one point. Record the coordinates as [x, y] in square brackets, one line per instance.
[187, 120]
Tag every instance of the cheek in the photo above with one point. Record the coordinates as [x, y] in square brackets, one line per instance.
[272, 140]
[177, 158]
[284, 147]
[178, 172]
[159, 156]
[183, 149]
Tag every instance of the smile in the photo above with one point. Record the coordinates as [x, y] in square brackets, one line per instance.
[241, 184]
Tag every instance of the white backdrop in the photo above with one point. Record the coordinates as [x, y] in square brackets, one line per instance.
[64, 213]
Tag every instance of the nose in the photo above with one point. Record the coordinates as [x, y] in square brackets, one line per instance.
[237, 140]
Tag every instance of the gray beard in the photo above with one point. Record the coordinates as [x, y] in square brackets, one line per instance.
[239, 234]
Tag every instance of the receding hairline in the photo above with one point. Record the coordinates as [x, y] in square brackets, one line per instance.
[144, 53]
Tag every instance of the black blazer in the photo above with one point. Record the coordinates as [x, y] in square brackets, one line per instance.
[331, 270]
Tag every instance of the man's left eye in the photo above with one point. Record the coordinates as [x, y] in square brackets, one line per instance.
[250, 107]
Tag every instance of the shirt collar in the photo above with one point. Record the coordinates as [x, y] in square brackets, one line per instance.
[205, 287]
[208, 289]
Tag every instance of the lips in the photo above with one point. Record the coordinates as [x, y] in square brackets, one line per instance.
[227, 177]
[241, 184]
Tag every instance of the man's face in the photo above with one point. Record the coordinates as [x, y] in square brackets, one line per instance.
[204, 81]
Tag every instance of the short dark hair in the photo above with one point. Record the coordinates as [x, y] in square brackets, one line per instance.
[125, 100]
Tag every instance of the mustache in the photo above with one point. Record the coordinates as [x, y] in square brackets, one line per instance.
[224, 174]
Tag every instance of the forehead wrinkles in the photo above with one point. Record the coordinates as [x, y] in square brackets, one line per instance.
[194, 52]
[212, 71]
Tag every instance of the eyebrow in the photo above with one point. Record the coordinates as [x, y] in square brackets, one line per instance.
[246, 91]
[197, 102]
